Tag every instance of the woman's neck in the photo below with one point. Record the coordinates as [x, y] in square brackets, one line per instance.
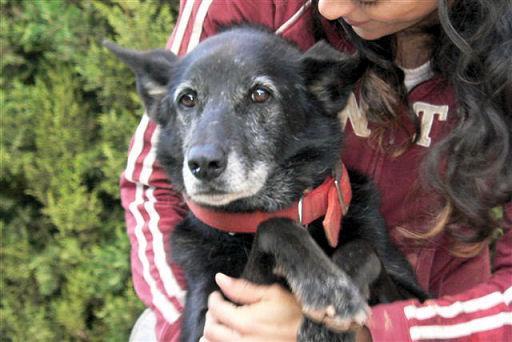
[413, 49]
[414, 45]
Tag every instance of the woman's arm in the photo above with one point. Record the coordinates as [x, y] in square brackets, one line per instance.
[152, 209]
[483, 313]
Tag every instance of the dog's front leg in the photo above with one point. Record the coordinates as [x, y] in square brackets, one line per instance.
[360, 261]
[195, 308]
[325, 292]
[196, 255]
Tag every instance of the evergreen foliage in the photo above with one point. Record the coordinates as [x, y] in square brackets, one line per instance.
[68, 109]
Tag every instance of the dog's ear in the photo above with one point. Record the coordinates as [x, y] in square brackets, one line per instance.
[331, 75]
[152, 69]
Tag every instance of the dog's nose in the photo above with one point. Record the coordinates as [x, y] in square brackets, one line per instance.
[206, 162]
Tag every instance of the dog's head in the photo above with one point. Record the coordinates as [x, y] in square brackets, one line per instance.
[246, 120]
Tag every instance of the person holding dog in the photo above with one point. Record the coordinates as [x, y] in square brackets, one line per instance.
[430, 122]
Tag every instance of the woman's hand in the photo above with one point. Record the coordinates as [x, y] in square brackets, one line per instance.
[267, 313]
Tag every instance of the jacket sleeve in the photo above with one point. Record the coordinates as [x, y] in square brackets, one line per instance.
[152, 206]
[483, 313]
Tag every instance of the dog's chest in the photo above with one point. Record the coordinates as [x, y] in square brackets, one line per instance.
[201, 249]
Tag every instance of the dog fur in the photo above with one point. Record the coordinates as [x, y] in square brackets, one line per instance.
[248, 122]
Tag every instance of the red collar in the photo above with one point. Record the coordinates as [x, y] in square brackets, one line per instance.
[329, 200]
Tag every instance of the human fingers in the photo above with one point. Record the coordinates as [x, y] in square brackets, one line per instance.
[214, 331]
[228, 314]
[241, 291]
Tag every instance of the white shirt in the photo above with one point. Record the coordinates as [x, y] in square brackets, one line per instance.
[415, 76]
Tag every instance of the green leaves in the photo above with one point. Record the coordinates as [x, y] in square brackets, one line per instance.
[68, 109]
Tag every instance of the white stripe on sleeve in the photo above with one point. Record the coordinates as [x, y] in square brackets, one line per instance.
[197, 30]
[171, 286]
[137, 146]
[159, 299]
[182, 25]
[293, 18]
[149, 159]
[454, 309]
[462, 329]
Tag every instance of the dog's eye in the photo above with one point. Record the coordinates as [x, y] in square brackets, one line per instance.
[260, 94]
[188, 100]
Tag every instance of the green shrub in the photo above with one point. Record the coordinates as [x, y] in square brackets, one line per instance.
[68, 109]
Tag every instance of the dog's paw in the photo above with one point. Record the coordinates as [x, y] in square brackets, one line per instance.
[334, 302]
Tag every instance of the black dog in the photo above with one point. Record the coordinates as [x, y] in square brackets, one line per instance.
[248, 124]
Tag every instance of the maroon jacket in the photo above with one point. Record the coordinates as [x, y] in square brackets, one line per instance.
[471, 303]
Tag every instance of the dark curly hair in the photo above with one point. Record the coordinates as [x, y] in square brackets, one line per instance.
[471, 169]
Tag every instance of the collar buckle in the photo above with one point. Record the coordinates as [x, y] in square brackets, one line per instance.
[300, 209]
[338, 174]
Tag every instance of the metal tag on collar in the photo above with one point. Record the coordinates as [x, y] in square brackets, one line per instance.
[338, 174]
[299, 207]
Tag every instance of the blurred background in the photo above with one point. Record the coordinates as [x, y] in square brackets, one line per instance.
[68, 110]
